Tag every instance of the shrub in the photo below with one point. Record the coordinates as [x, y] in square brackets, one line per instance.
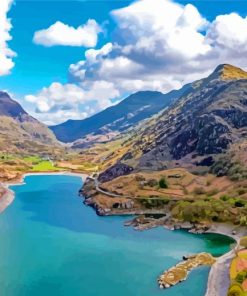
[225, 197]
[241, 191]
[152, 183]
[209, 183]
[239, 203]
[150, 203]
[241, 277]
[139, 178]
[235, 290]
[199, 190]
[163, 183]
[243, 221]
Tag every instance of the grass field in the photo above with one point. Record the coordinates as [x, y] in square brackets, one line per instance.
[45, 165]
[33, 159]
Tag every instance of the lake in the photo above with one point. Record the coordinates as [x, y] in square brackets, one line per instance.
[51, 244]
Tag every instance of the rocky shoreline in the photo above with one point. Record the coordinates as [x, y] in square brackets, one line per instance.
[147, 219]
[218, 280]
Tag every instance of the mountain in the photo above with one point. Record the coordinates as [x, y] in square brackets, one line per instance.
[118, 118]
[20, 132]
[206, 122]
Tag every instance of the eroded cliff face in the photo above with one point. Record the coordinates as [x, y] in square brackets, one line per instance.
[117, 170]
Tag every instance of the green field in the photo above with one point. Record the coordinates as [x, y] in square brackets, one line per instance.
[33, 159]
[45, 165]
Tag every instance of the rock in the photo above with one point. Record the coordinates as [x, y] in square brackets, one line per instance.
[115, 171]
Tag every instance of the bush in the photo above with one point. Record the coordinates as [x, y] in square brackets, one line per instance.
[163, 183]
[235, 290]
[243, 221]
[241, 277]
[201, 210]
[239, 203]
[209, 183]
[241, 191]
[199, 190]
[224, 167]
[152, 183]
[150, 203]
[225, 197]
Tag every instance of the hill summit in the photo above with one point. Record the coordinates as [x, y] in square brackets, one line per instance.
[229, 72]
[202, 125]
[19, 131]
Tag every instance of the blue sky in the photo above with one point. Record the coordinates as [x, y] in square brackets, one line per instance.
[38, 66]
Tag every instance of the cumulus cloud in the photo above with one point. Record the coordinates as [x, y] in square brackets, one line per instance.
[229, 33]
[62, 34]
[59, 102]
[155, 47]
[6, 54]
[151, 48]
[166, 45]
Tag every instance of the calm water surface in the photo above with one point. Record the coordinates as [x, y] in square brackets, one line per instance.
[53, 245]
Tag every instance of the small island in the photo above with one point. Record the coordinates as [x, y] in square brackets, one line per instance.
[179, 273]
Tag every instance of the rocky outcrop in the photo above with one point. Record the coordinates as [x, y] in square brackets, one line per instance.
[88, 190]
[119, 169]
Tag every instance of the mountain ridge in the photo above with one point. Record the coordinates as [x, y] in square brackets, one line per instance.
[118, 118]
[204, 123]
[20, 132]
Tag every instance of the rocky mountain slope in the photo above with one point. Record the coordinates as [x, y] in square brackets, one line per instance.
[104, 125]
[206, 122]
[20, 132]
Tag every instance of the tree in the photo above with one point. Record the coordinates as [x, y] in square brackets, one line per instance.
[163, 183]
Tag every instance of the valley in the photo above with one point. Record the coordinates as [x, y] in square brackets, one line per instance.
[179, 164]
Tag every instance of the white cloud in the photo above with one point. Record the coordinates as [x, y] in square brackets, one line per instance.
[151, 48]
[92, 56]
[62, 34]
[164, 46]
[155, 47]
[60, 102]
[229, 31]
[6, 54]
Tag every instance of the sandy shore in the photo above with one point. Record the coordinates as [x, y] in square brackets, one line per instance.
[9, 195]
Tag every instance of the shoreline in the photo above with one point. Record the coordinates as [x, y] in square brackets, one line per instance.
[217, 283]
[9, 195]
[218, 278]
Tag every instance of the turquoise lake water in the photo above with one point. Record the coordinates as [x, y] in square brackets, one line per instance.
[51, 244]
